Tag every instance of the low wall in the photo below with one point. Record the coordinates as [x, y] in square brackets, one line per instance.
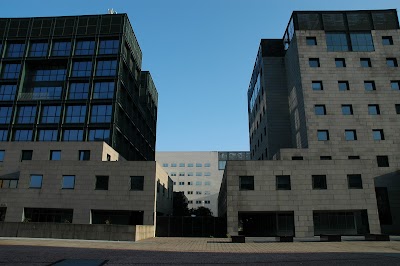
[77, 231]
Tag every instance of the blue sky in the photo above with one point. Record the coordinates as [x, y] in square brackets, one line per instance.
[200, 54]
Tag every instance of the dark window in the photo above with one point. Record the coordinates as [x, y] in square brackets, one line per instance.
[397, 107]
[68, 182]
[43, 215]
[108, 157]
[378, 134]
[38, 49]
[395, 85]
[50, 114]
[23, 135]
[7, 92]
[340, 62]
[55, 155]
[337, 41]
[365, 62]
[101, 183]
[317, 86]
[36, 181]
[2, 156]
[362, 42]
[5, 115]
[61, 49]
[319, 182]
[26, 155]
[3, 135]
[99, 135]
[350, 134]
[283, 182]
[101, 114]
[323, 135]
[246, 182]
[373, 109]
[382, 199]
[297, 158]
[311, 41]
[343, 85]
[78, 91]
[354, 181]
[320, 109]
[106, 68]
[369, 85]
[84, 155]
[72, 135]
[84, 47]
[15, 50]
[109, 47]
[391, 62]
[53, 74]
[382, 160]
[82, 69]
[103, 90]
[325, 158]
[347, 109]
[11, 71]
[137, 183]
[48, 135]
[387, 40]
[75, 114]
[314, 62]
[353, 157]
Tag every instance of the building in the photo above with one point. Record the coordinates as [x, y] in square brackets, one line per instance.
[198, 174]
[76, 78]
[323, 105]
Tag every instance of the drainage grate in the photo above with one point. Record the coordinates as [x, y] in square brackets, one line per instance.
[76, 262]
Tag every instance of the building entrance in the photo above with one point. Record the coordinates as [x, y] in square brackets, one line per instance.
[266, 224]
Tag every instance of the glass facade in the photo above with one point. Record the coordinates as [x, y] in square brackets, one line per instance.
[72, 135]
[5, 115]
[101, 114]
[61, 49]
[337, 41]
[48, 135]
[50, 114]
[7, 92]
[109, 47]
[15, 50]
[75, 114]
[38, 49]
[106, 68]
[103, 90]
[85, 47]
[99, 135]
[26, 114]
[11, 71]
[362, 42]
[23, 135]
[78, 91]
[82, 69]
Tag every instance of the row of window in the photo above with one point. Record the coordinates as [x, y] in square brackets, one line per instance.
[54, 155]
[199, 202]
[190, 174]
[198, 183]
[344, 85]
[364, 62]
[198, 192]
[60, 48]
[188, 165]
[347, 109]
[350, 134]
[382, 160]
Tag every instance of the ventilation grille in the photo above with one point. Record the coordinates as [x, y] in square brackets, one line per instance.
[309, 22]
[334, 21]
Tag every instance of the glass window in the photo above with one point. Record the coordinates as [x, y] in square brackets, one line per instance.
[48, 135]
[173, 174]
[103, 90]
[108, 46]
[15, 50]
[189, 165]
[7, 92]
[84, 155]
[75, 114]
[3, 135]
[353, 157]
[323, 135]
[319, 182]
[246, 182]
[397, 108]
[26, 114]
[38, 49]
[36, 181]
[337, 41]
[181, 183]
[320, 109]
[173, 164]
[362, 42]
[11, 71]
[50, 114]
[2, 156]
[365, 62]
[137, 183]
[101, 114]
[354, 181]
[317, 86]
[61, 49]
[297, 158]
[68, 182]
[190, 174]
[26, 155]
[207, 174]
[207, 183]
[5, 115]
[221, 165]
[198, 193]
[165, 165]
[314, 62]
[311, 41]
[382, 160]
[99, 135]
[207, 165]
[22, 135]
[72, 135]
[46, 93]
[181, 165]
[373, 109]
[283, 182]
[387, 40]
[340, 62]
[325, 158]
[101, 183]
[106, 68]
[199, 173]
[55, 155]
[378, 134]
[78, 91]
[350, 134]
[82, 69]
[395, 85]
[369, 85]
[347, 109]
[391, 62]
[198, 183]
[84, 47]
[181, 173]
[55, 74]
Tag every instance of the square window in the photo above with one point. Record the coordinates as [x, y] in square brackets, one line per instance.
[319, 182]
[55, 155]
[397, 107]
[246, 182]
[84, 155]
[378, 134]
[314, 62]
[387, 40]
[317, 86]
[137, 183]
[340, 62]
[323, 135]
[2, 156]
[353, 157]
[373, 109]
[369, 85]
[395, 85]
[311, 41]
[347, 109]
[382, 160]
[283, 182]
[26, 155]
[325, 158]
[320, 109]
[36, 181]
[350, 134]
[68, 182]
[365, 62]
[343, 85]
[354, 181]
[391, 62]
[101, 183]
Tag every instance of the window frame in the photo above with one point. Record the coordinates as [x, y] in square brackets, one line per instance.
[134, 186]
[246, 183]
[321, 184]
[351, 184]
[102, 184]
[283, 186]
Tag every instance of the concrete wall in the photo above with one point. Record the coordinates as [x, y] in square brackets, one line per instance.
[144, 232]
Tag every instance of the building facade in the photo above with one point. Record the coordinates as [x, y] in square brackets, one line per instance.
[324, 107]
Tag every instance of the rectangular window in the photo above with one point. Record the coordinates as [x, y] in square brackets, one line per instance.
[75, 114]
[354, 157]
[382, 160]
[297, 158]
[173, 174]
[347, 109]
[10, 71]
[317, 86]
[68, 182]
[373, 109]
[23, 135]
[2, 156]
[325, 158]
[350, 134]
[283, 182]
[84, 47]
[61, 49]
[362, 42]
[207, 165]
[106, 68]
[165, 165]
[354, 181]
[378, 134]
[189, 165]
[369, 85]
[319, 182]
[198, 201]
[199, 165]
[190, 183]
[26, 155]
[182, 174]
[340, 62]
[323, 135]
[207, 183]
[103, 90]
[173, 164]
[387, 40]
[38, 49]
[99, 135]
[199, 173]
[395, 85]
[337, 41]
[391, 62]
[7, 92]
[190, 192]
[15, 50]
[8, 183]
[72, 135]
[78, 91]
[137, 183]
[365, 62]
[190, 174]
[311, 41]
[51, 74]
[55, 155]
[101, 114]
[84, 155]
[198, 183]
[246, 182]
[397, 108]
[320, 109]
[5, 115]
[48, 135]
[198, 193]
[181, 183]
[3, 135]
[101, 183]
[109, 46]
[36, 181]
[207, 174]
[81, 69]
[50, 114]
[181, 165]
[343, 85]
[314, 62]
[46, 93]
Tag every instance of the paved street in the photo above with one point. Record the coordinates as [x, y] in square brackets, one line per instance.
[195, 251]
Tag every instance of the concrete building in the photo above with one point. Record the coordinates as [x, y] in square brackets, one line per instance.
[323, 105]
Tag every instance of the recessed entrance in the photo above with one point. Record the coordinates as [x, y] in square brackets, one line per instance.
[266, 224]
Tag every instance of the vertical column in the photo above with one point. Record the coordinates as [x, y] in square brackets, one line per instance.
[303, 223]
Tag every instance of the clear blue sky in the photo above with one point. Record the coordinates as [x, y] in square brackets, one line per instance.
[200, 54]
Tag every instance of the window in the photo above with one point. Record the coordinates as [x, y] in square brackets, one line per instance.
[84, 47]
[199, 165]
[165, 165]
[181, 174]
[3, 135]
[198, 193]
[81, 69]
[337, 41]
[190, 192]
[106, 68]
[26, 155]
[181, 165]
[207, 183]
[340, 62]
[46, 93]
[11, 71]
[53, 74]
[75, 114]
[189, 165]
[317, 86]
[99, 135]
[190, 201]
[199, 173]
[350, 134]
[353, 157]
[297, 158]
[84, 155]
[198, 183]
[101, 114]
[391, 62]
[72, 135]
[343, 85]
[283, 182]
[78, 91]
[55, 155]
[395, 85]
[48, 135]
[319, 182]
[369, 85]
[61, 49]
[23, 135]
[68, 182]
[387, 40]
[207, 193]
[50, 114]
[198, 201]
[101, 182]
[36, 181]
[137, 183]
[15, 50]
[323, 135]
[378, 134]
[173, 174]
[2, 156]
[311, 41]
[314, 62]
[7, 92]
[382, 160]
[246, 182]
[365, 62]
[108, 157]
[325, 158]
[207, 174]
[397, 108]
[347, 109]
[108, 47]
[207, 165]
[181, 183]
[190, 174]
[320, 109]
[173, 164]
[373, 109]
[38, 49]
[8, 183]
[354, 181]
[362, 42]
[5, 115]
[190, 183]
[103, 90]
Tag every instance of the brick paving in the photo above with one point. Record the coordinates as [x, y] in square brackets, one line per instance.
[198, 251]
